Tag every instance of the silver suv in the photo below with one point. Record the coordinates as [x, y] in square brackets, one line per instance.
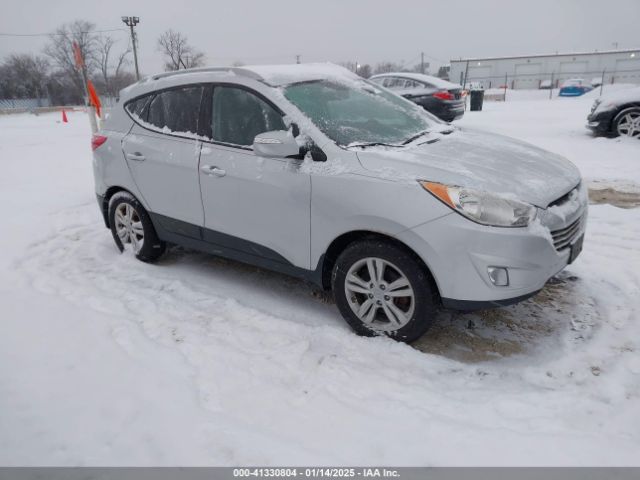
[312, 171]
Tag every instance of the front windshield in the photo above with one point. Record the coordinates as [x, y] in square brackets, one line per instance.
[358, 113]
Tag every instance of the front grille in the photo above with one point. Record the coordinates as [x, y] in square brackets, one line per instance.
[563, 237]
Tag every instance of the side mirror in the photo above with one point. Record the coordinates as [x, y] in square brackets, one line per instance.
[278, 143]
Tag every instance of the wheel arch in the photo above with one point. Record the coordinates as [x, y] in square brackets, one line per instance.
[104, 206]
[339, 244]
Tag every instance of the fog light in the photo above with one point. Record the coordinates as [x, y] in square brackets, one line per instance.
[499, 276]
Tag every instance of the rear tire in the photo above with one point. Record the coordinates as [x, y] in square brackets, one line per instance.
[131, 228]
[627, 123]
[382, 289]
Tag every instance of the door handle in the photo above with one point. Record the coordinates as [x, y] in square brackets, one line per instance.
[137, 156]
[213, 170]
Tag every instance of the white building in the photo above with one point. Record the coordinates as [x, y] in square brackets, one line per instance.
[619, 66]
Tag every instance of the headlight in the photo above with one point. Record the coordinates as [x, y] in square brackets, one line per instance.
[601, 106]
[483, 207]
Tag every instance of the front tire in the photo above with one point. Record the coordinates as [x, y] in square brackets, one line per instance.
[627, 123]
[382, 289]
[132, 229]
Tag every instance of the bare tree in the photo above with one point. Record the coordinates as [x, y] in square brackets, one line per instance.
[177, 52]
[60, 49]
[417, 68]
[24, 76]
[386, 67]
[365, 70]
[443, 72]
[111, 64]
[348, 65]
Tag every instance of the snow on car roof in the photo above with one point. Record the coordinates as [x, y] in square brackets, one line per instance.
[274, 75]
[420, 77]
[573, 82]
[278, 75]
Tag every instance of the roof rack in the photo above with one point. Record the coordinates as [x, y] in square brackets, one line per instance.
[236, 70]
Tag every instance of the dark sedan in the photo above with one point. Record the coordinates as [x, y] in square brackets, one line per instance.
[617, 114]
[439, 97]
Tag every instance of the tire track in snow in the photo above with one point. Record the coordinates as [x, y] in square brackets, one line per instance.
[286, 376]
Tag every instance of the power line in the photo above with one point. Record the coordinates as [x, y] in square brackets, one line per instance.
[62, 34]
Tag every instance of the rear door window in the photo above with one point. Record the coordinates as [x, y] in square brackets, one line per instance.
[176, 110]
[239, 115]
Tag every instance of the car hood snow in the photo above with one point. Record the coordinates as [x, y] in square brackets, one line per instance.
[622, 96]
[479, 160]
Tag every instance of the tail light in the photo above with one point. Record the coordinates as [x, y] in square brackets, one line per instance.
[97, 140]
[444, 95]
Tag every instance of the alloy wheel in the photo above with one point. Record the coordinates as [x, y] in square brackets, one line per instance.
[380, 294]
[629, 125]
[129, 227]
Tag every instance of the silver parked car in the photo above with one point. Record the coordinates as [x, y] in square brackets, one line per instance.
[312, 171]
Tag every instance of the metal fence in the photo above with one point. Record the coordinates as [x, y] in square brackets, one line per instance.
[23, 103]
[17, 105]
[548, 80]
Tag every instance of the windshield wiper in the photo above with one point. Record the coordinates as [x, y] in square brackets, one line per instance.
[416, 136]
[373, 144]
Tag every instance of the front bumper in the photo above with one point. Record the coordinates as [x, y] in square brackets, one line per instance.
[600, 123]
[458, 253]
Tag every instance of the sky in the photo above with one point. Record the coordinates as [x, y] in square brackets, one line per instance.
[275, 31]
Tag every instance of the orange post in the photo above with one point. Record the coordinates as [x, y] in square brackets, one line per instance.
[64, 117]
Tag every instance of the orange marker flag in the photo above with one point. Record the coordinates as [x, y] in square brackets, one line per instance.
[93, 97]
[64, 117]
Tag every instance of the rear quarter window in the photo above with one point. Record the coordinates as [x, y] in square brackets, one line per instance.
[137, 107]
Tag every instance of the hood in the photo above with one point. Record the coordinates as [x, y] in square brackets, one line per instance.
[479, 160]
[625, 95]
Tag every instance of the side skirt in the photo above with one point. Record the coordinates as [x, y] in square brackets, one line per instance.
[220, 244]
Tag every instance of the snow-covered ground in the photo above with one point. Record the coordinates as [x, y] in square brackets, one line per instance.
[200, 361]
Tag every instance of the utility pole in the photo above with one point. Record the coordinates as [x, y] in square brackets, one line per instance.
[422, 63]
[132, 22]
[297, 58]
[466, 72]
